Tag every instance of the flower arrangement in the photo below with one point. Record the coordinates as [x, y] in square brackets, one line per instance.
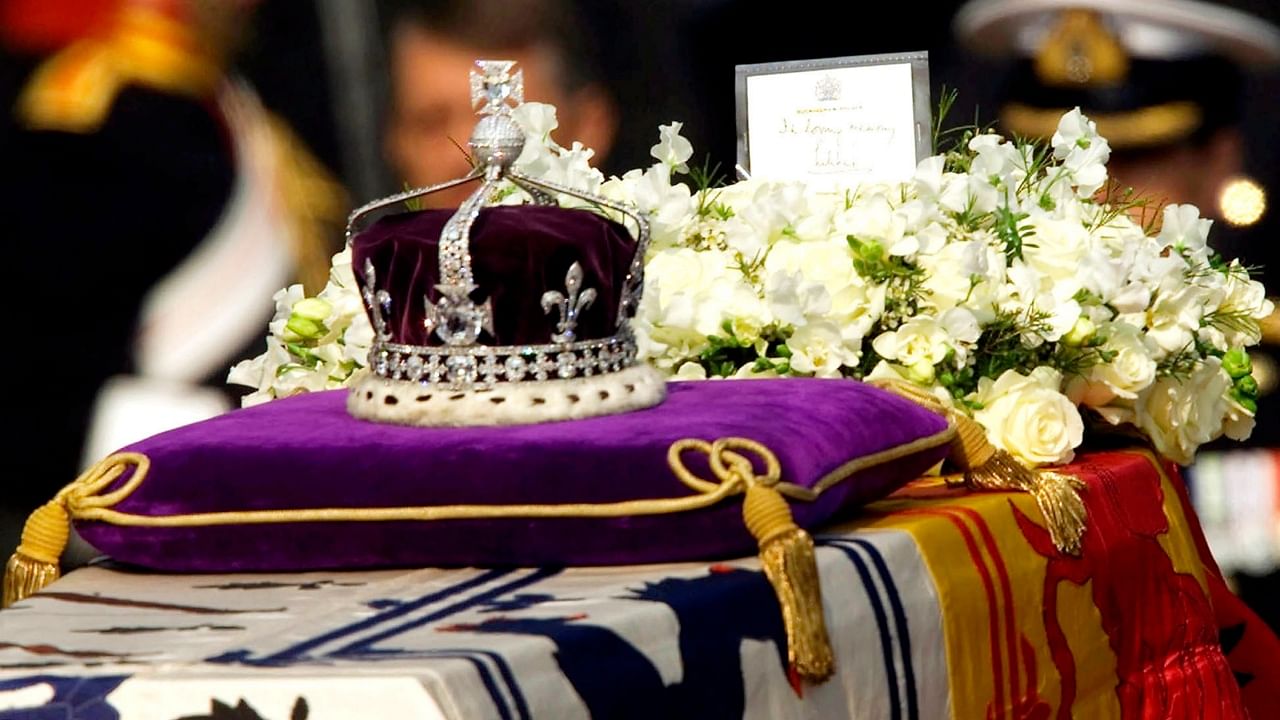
[1009, 279]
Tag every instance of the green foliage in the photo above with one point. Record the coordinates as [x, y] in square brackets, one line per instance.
[726, 353]
[1002, 345]
[1011, 235]
[413, 204]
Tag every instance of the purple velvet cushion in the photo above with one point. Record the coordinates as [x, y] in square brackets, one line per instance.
[307, 452]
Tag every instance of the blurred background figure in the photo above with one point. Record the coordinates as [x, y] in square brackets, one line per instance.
[434, 45]
[1169, 84]
[153, 207]
[1164, 81]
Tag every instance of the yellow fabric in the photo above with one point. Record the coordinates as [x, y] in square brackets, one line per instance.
[972, 540]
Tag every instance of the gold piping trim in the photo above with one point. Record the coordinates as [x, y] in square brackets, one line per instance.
[897, 452]
[83, 502]
[1143, 127]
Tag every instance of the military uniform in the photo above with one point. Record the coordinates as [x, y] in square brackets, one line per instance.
[148, 205]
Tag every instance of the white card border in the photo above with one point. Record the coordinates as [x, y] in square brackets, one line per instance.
[921, 103]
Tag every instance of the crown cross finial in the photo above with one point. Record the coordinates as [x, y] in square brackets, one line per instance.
[493, 85]
[572, 302]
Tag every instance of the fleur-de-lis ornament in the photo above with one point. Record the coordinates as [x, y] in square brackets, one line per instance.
[571, 303]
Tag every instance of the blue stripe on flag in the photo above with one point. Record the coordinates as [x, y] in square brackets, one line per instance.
[877, 606]
[298, 651]
[366, 644]
[900, 617]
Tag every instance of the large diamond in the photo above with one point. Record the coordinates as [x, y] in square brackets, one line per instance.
[458, 320]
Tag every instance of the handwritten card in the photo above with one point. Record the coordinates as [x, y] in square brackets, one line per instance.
[834, 123]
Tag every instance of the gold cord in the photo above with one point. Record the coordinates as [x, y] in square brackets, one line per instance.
[786, 550]
[987, 467]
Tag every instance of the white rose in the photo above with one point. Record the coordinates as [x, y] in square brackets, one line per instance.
[1180, 416]
[1029, 417]
[1132, 369]
[1055, 248]
[886, 371]
[690, 371]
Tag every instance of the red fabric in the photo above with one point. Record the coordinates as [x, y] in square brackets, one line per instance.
[1160, 621]
[40, 26]
[1251, 648]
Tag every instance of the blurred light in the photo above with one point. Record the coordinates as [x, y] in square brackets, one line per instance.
[1265, 372]
[1242, 201]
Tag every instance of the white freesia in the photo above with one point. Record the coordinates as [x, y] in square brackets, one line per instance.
[994, 277]
[919, 344]
[818, 349]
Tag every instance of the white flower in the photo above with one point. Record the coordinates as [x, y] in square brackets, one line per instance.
[1182, 228]
[690, 371]
[996, 160]
[1131, 370]
[537, 120]
[1180, 415]
[672, 150]
[793, 299]
[1029, 417]
[918, 342]
[1055, 249]
[1082, 151]
[284, 300]
[817, 348]
[1174, 318]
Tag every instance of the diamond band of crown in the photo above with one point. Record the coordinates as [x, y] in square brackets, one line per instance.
[481, 367]
[462, 362]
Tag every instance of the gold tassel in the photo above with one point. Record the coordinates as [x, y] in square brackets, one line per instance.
[34, 565]
[786, 553]
[988, 467]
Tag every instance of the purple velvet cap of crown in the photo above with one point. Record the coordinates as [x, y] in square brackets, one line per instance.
[517, 254]
[307, 452]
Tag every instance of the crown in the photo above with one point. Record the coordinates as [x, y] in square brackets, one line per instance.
[500, 314]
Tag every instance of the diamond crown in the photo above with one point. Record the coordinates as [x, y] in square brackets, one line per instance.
[463, 361]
